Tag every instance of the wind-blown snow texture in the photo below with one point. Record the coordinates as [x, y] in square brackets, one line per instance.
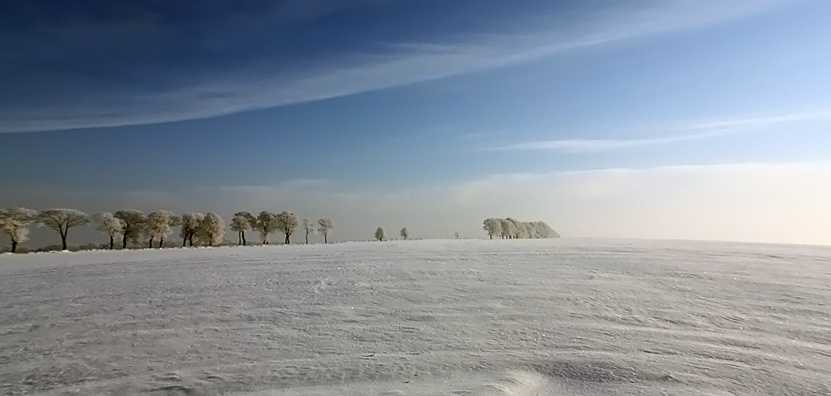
[534, 317]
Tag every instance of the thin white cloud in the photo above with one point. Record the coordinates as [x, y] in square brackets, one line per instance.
[408, 64]
[699, 131]
[752, 122]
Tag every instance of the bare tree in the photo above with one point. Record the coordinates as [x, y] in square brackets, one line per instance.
[405, 233]
[15, 223]
[190, 222]
[61, 220]
[308, 227]
[492, 227]
[380, 234]
[266, 225]
[242, 221]
[324, 227]
[159, 225]
[210, 229]
[110, 225]
[132, 221]
[287, 223]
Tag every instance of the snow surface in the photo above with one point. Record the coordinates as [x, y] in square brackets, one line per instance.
[456, 317]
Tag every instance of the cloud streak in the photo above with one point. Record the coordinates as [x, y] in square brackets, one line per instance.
[400, 63]
[694, 132]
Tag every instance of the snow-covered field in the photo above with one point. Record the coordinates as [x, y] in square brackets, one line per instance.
[547, 317]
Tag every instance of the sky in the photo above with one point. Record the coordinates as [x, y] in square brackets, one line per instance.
[681, 119]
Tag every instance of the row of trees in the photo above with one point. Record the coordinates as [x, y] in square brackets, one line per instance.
[15, 222]
[132, 225]
[509, 228]
[267, 223]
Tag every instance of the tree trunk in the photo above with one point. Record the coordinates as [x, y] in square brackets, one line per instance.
[325, 238]
[190, 238]
[185, 240]
[239, 237]
[63, 238]
[150, 244]
[124, 242]
[307, 237]
[112, 242]
[161, 242]
[490, 235]
[14, 246]
[244, 242]
[287, 242]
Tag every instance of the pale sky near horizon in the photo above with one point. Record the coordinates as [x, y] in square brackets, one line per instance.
[673, 119]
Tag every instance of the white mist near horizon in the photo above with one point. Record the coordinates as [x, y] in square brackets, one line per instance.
[776, 203]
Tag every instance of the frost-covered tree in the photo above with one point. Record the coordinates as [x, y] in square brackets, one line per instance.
[513, 229]
[506, 228]
[324, 227]
[492, 227]
[405, 233]
[159, 225]
[239, 225]
[380, 234]
[543, 230]
[190, 222]
[308, 228]
[531, 229]
[211, 229]
[523, 231]
[266, 225]
[61, 220]
[15, 223]
[110, 225]
[242, 221]
[516, 228]
[287, 223]
[528, 229]
[132, 222]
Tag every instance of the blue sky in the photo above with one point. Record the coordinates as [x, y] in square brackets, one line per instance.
[430, 114]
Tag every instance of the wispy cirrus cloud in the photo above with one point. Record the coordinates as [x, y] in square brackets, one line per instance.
[689, 133]
[223, 88]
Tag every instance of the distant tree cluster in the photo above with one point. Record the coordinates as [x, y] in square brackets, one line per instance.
[509, 228]
[381, 234]
[133, 226]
